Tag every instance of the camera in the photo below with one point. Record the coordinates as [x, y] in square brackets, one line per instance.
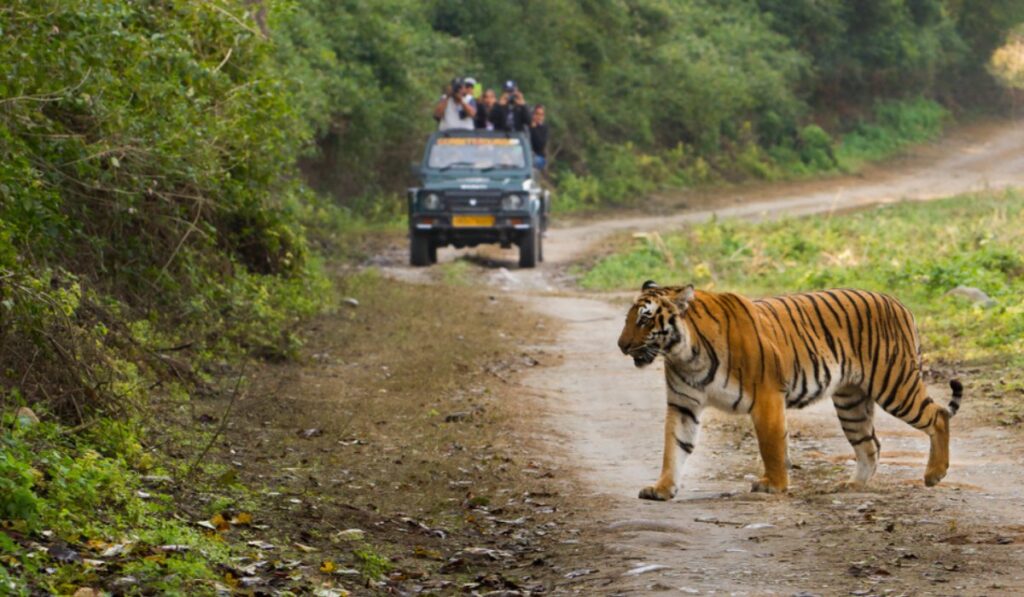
[456, 86]
[509, 91]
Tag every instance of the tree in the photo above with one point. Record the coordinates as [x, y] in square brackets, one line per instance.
[1007, 65]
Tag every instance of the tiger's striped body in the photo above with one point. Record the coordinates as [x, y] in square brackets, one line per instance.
[763, 356]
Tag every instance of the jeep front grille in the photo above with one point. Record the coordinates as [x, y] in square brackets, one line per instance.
[472, 201]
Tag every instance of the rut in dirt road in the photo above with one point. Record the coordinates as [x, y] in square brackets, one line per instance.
[962, 537]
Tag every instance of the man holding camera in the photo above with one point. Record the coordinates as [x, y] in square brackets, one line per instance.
[511, 113]
[456, 108]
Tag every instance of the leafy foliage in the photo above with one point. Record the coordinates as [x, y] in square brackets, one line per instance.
[896, 125]
[732, 85]
[1007, 63]
[145, 150]
[362, 74]
[94, 500]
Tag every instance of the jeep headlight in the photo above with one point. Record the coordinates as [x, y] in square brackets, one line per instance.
[510, 202]
[431, 201]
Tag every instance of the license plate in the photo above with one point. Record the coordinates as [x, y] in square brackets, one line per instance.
[473, 221]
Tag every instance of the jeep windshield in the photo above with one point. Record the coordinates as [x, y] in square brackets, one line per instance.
[477, 153]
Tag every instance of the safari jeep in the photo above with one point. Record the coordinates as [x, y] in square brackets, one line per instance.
[478, 187]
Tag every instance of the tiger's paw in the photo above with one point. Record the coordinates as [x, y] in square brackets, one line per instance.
[932, 479]
[763, 485]
[653, 492]
[852, 485]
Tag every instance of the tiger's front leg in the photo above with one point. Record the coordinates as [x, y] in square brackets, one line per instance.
[681, 426]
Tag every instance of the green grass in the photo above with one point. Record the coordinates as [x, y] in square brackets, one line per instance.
[915, 251]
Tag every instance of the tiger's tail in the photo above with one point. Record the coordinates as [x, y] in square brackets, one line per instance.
[958, 394]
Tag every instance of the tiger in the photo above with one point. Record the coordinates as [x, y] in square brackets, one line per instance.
[765, 355]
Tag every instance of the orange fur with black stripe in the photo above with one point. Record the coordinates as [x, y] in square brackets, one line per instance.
[762, 356]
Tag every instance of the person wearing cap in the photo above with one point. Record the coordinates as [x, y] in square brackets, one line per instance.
[469, 85]
[511, 113]
[469, 95]
[455, 110]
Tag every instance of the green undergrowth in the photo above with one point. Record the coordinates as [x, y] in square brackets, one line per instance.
[90, 500]
[896, 125]
[915, 251]
[623, 175]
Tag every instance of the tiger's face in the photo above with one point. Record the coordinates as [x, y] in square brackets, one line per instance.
[654, 322]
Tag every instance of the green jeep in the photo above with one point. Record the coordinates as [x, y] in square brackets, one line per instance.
[477, 187]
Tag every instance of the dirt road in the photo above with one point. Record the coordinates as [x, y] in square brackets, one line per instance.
[964, 537]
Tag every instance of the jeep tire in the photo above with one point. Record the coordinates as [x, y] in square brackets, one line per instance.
[529, 248]
[420, 250]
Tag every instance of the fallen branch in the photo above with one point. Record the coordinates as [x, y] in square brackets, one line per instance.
[48, 97]
[220, 428]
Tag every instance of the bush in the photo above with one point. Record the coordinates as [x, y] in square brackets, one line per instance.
[147, 160]
[816, 148]
[54, 483]
[897, 124]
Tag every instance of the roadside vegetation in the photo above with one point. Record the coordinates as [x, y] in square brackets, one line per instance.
[888, 128]
[918, 252]
[177, 180]
[645, 95]
[153, 235]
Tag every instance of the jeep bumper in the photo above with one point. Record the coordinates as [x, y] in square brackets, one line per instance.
[467, 230]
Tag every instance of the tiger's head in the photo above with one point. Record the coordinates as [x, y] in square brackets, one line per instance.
[654, 323]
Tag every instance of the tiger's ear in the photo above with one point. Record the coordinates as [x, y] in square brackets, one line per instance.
[649, 285]
[685, 297]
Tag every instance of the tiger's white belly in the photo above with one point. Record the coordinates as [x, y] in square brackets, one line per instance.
[727, 395]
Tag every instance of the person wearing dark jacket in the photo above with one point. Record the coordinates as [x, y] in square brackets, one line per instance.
[511, 113]
[485, 111]
[539, 137]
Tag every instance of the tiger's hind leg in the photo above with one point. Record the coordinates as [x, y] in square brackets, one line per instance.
[938, 455]
[912, 404]
[769, 417]
[856, 413]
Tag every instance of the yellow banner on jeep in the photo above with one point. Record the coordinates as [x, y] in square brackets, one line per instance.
[477, 141]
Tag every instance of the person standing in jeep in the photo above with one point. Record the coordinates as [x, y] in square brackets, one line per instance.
[485, 111]
[539, 137]
[511, 113]
[455, 109]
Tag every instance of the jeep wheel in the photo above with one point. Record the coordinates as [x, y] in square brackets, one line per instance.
[432, 253]
[419, 250]
[529, 248]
